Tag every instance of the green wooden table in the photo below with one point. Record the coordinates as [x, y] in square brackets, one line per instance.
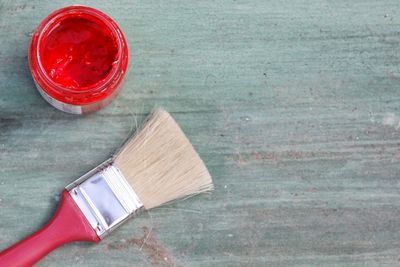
[293, 105]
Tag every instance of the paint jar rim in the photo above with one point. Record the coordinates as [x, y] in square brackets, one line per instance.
[86, 99]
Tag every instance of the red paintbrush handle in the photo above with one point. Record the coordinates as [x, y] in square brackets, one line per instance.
[67, 225]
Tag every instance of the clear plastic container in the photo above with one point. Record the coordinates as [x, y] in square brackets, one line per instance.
[78, 57]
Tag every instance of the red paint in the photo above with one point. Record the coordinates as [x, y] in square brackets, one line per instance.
[67, 225]
[78, 53]
[78, 58]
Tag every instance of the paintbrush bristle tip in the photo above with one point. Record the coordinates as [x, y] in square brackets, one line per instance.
[161, 164]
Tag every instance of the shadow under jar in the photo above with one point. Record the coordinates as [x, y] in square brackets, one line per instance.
[78, 57]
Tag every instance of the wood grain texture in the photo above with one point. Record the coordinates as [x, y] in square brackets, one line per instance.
[293, 105]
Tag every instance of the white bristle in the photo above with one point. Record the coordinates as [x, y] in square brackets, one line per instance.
[160, 163]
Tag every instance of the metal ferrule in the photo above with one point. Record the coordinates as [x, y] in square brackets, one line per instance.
[105, 197]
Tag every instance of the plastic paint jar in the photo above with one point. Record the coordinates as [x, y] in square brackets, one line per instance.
[78, 57]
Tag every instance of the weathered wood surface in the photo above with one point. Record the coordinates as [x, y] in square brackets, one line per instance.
[294, 106]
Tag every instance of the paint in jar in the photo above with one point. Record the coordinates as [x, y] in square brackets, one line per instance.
[78, 58]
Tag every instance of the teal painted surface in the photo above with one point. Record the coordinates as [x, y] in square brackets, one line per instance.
[293, 105]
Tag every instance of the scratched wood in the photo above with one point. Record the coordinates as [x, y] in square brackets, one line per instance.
[293, 105]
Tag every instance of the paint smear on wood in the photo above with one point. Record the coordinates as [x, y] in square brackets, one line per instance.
[148, 244]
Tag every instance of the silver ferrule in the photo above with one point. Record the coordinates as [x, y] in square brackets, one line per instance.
[105, 197]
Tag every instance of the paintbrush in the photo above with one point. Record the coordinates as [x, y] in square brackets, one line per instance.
[155, 166]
